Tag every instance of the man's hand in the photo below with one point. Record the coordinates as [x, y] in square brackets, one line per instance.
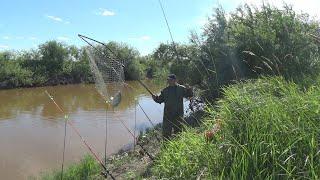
[154, 97]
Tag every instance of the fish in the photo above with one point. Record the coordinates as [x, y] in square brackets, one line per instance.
[115, 100]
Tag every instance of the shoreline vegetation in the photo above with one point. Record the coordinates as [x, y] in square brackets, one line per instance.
[55, 63]
[257, 69]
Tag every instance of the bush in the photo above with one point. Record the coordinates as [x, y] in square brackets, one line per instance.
[257, 41]
[13, 75]
[134, 70]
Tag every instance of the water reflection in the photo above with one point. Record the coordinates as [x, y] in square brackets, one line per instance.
[70, 98]
[31, 127]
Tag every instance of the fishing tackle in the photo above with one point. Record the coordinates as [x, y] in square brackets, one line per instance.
[107, 172]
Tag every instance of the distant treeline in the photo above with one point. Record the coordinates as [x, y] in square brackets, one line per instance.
[245, 44]
[55, 63]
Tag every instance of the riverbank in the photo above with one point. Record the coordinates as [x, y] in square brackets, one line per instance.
[134, 163]
[265, 128]
[130, 164]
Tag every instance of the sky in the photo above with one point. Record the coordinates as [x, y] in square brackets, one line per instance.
[24, 24]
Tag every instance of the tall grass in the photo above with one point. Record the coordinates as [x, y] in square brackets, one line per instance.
[86, 169]
[270, 130]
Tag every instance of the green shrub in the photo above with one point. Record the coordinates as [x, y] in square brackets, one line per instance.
[257, 41]
[186, 156]
[13, 75]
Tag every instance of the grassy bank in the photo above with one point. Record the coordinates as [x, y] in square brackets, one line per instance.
[131, 164]
[269, 130]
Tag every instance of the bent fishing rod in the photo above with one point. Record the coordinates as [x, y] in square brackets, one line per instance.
[80, 136]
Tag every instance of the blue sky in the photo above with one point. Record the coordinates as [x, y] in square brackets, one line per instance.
[25, 24]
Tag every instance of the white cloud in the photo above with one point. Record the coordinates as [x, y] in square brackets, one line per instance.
[105, 12]
[63, 38]
[32, 38]
[19, 37]
[141, 38]
[3, 47]
[57, 19]
[6, 37]
[54, 18]
[145, 38]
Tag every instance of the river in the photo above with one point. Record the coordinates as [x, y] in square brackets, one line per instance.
[32, 128]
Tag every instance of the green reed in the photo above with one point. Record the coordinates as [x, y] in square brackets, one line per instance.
[270, 130]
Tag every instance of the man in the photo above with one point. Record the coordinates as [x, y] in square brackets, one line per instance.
[172, 96]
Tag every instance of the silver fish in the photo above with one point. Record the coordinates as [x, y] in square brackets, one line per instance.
[115, 101]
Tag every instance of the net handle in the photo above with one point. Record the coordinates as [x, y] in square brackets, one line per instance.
[145, 86]
[83, 37]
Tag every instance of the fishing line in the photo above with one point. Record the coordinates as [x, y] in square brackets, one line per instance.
[148, 154]
[177, 54]
[135, 122]
[106, 139]
[133, 135]
[64, 145]
[148, 120]
[165, 17]
[82, 139]
[65, 133]
[169, 29]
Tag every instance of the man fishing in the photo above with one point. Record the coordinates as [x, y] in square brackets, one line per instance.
[172, 96]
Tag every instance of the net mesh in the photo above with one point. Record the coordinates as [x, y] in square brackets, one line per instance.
[108, 72]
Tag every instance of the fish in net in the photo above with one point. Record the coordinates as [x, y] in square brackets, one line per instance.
[108, 72]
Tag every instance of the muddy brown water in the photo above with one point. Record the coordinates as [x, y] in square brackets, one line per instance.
[32, 128]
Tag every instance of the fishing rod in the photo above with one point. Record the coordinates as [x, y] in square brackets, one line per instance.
[148, 120]
[107, 172]
[64, 137]
[177, 54]
[132, 134]
[169, 30]
[138, 143]
[146, 87]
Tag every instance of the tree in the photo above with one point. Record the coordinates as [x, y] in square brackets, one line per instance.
[53, 54]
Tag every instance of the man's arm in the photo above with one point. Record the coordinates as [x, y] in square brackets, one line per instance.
[187, 92]
[158, 99]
